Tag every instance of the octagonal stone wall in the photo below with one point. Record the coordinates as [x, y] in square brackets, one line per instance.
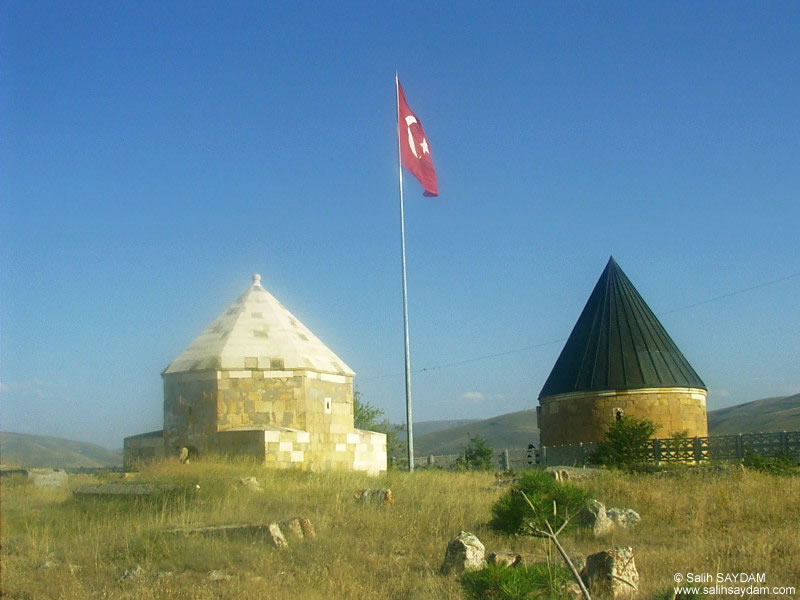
[585, 416]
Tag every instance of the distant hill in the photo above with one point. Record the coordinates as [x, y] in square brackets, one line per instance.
[518, 429]
[769, 414]
[512, 430]
[22, 450]
[423, 427]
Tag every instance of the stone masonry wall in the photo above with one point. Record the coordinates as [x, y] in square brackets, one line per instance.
[190, 411]
[315, 402]
[288, 419]
[247, 398]
[584, 417]
[286, 448]
[142, 449]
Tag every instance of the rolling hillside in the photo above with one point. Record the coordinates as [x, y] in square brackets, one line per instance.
[22, 450]
[518, 429]
[768, 414]
[423, 427]
[512, 430]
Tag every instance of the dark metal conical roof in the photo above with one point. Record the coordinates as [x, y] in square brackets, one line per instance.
[618, 344]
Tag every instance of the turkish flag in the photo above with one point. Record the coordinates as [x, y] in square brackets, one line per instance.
[415, 151]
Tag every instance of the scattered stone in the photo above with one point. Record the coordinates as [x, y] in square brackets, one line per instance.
[573, 591]
[251, 483]
[47, 477]
[116, 490]
[596, 518]
[502, 557]
[183, 456]
[623, 517]
[611, 574]
[464, 553]
[574, 473]
[48, 564]
[299, 527]
[276, 536]
[378, 497]
[128, 476]
[132, 573]
[217, 575]
[560, 475]
[163, 574]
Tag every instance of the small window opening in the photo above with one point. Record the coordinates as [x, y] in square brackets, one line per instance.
[327, 406]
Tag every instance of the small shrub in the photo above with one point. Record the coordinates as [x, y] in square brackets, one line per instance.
[625, 442]
[511, 514]
[477, 455]
[782, 464]
[498, 582]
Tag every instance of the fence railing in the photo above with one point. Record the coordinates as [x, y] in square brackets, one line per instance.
[684, 450]
[662, 450]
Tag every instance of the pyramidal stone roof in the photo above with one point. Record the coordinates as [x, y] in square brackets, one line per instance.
[257, 332]
[618, 344]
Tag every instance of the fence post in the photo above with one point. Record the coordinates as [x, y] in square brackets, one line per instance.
[784, 442]
[698, 453]
[544, 456]
[739, 446]
[430, 460]
[581, 453]
[506, 462]
[657, 451]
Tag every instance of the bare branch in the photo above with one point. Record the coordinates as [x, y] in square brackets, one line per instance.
[553, 535]
[625, 581]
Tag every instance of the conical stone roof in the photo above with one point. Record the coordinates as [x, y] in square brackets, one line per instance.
[257, 332]
[618, 344]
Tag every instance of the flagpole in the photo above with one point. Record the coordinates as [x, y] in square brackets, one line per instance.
[409, 420]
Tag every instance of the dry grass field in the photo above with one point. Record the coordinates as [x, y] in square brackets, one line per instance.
[57, 546]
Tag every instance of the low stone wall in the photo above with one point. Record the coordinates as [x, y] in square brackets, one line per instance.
[286, 448]
[143, 448]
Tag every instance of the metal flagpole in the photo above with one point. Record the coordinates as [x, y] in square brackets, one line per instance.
[409, 421]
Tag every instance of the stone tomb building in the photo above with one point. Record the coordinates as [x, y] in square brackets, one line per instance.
[258, 383]
[619, 360]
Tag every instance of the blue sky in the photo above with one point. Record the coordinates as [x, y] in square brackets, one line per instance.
[154, 155]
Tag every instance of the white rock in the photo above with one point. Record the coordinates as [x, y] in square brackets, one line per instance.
[597, 518]
[624, 517]
[464, 553]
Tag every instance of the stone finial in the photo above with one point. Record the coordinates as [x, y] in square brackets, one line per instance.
[256, 279]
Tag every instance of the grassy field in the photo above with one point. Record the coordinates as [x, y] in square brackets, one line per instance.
[56, 546]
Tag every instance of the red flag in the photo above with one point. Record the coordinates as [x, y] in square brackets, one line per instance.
[415, 151]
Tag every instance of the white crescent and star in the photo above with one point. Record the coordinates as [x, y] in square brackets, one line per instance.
[410, 120]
